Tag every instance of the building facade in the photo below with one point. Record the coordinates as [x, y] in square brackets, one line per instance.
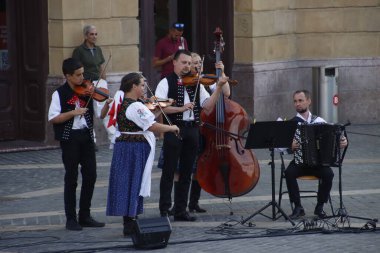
[279, 45]
[273, 47]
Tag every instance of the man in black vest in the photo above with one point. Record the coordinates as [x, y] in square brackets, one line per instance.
[73, 127]
[302, 102]
[185, 114]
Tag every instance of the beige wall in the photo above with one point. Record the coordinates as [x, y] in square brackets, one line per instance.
[118, 36]
[279, 43]
[282, 30]
[117, 26]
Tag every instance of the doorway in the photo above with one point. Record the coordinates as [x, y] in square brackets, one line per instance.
[23, 69]
[200, 19]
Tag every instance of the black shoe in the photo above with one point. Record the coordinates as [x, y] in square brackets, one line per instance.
[196, 209]
[185, 216]
[73, 225]
[319, 212]
[90, 222]
[171, 212]
[297, 212]
[127, 227]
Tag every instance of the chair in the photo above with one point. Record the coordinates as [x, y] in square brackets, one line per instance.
[303, 194]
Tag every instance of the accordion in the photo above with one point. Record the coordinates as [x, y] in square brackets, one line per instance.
[319, 145]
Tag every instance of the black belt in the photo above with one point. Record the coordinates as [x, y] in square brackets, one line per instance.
[186, 124]
[78, 131]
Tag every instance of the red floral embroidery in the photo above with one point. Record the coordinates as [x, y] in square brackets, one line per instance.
[74, 100]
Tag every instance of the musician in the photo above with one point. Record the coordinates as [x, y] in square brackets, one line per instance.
[133, 154]
[302, 101]
[184, 114]
[73, 127]
[195, 189]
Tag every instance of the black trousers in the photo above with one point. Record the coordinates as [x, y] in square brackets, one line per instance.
[79, 149]
[184, 151]
[324, 173]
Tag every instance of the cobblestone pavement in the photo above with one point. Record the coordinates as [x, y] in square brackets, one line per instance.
[32, 214]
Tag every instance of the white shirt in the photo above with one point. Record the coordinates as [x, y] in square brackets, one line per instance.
[140, 115]
[308, 120]
[101, 83]
[55, 110]
[163, 89]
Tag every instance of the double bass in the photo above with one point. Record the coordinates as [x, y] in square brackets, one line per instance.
[225, 168]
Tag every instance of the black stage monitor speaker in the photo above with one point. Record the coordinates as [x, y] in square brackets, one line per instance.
[151, 233]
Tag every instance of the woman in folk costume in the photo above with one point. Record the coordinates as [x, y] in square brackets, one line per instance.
[133, 155]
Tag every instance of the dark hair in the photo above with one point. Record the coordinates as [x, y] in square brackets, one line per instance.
[306, 92]
[129, 80]
[69, 66]
[181, 51]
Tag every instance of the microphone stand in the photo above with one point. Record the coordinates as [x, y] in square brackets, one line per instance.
[342, 214]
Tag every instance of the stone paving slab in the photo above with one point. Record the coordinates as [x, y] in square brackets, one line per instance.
[32, 217]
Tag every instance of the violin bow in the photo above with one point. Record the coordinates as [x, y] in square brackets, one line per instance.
[199, 79]
[97, 82]
[159, 106]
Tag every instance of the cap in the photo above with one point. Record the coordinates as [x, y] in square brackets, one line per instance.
[178, 26]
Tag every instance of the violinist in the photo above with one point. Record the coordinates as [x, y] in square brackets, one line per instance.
[133, 156]
[182, 151]
[73, 127]
[196, 67]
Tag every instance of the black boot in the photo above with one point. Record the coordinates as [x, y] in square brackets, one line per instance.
[195, 194]
[319, 211]
[128, 223]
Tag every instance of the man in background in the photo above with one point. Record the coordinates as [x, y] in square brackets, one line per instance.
[166, 48]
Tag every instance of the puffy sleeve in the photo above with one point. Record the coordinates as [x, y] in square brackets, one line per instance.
[141, 115]
[162, 89]
[55, 106]
[203, 95]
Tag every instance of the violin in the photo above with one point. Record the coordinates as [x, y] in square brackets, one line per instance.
[87, 88]
[205, 79]
[153, 103]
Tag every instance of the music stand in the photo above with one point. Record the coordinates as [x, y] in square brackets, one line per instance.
[271, 134]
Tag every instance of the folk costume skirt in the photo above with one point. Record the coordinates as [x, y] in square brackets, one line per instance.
[127, 167]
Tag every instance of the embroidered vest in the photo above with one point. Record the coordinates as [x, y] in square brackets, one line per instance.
[124, 124]
[62, 130]
[177, 91]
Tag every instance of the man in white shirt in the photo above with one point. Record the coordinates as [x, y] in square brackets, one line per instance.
[184, 114]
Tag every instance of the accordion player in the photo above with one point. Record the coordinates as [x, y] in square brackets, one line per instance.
[319, 145]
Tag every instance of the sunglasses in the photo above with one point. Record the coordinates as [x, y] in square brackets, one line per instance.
[179, 25]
